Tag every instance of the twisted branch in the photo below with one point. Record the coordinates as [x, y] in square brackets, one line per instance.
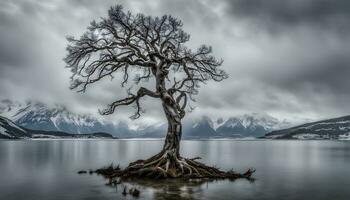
[125, 43]
[129, 100]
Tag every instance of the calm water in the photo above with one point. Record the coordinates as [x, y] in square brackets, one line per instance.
[47, 170]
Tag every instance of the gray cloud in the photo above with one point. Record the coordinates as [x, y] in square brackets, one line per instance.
[276, 15]
[286, 58]
[306, 48]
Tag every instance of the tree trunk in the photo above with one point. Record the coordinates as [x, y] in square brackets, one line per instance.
[174, 132]
[168, 163]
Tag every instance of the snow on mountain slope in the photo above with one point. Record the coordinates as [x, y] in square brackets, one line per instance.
[4, 133]
[199, 128]
[9, 130]
[325, 129]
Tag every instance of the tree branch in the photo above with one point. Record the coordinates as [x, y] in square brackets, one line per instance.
[129, 100]
[125, 43]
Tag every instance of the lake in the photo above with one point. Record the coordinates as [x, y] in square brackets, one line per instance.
[47, 169]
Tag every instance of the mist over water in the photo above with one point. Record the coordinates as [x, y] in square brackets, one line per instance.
[35, 170]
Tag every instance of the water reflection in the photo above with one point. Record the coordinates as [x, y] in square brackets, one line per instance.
[168, 189]
[35, 170]
[171, 189]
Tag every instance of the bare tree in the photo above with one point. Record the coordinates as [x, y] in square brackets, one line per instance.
[155, 47]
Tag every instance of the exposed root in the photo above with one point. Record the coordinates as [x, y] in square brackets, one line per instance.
[167, 165]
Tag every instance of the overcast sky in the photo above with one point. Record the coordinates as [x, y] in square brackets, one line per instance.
[289, 59]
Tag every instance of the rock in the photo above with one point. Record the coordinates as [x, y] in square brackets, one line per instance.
[134, 192]
[124, 191]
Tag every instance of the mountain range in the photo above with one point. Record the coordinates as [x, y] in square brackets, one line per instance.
[36, 119]
[39, 116]
[10, 130]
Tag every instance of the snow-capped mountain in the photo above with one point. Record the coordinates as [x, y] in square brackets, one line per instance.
[325, 129]
[253, 125]
[39, 116]
[249, 125]
[10, 130]
[200, 128]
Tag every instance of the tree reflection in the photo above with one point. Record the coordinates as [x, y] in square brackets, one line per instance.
[176, 189]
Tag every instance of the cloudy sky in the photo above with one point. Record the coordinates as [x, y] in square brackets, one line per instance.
[289, 59]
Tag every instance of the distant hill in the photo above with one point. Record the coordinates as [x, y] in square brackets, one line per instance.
[325, 129]
[9, 130]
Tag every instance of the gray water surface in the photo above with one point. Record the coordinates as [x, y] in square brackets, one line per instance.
[47, 170]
